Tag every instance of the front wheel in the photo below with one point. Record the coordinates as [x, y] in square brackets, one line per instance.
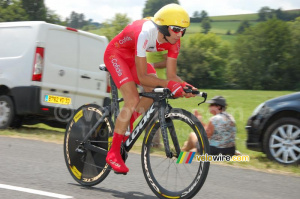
[182, 175]
[87, 167]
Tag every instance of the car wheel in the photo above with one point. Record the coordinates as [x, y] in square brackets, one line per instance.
[6, 111]
[282, 141]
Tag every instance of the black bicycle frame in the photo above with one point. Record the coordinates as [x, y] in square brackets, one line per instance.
[158, 106]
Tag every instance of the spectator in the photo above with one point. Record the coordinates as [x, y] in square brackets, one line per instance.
[221, 130]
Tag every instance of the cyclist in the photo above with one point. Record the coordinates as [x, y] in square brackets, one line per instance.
[125, 58]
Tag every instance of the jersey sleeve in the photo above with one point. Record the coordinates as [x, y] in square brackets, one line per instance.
[142, 40]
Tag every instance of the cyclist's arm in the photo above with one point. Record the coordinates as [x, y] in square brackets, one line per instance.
[172, 74]
[172, 70]
[144, 77]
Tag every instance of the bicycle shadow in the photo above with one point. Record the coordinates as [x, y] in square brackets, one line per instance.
[117, 193]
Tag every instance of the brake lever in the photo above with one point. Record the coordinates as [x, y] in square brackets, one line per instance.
[204, 95]
[196, 92]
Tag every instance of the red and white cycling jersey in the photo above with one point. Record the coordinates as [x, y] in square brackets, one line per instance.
[136, 38]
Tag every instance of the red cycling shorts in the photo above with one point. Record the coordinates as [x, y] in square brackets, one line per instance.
[122, 67]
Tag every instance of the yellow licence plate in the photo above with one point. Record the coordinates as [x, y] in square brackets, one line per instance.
[57, 99]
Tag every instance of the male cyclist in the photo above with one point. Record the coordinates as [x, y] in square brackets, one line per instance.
[125, 58]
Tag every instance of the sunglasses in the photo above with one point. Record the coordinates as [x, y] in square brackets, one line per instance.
[177, 29]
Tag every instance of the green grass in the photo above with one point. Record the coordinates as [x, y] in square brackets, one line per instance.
[241, 17]
[241, 104]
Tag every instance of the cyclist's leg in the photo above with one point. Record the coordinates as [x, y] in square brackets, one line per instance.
[120, 72]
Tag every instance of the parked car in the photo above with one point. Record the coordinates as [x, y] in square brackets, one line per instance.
[47, 71]
[274, 128]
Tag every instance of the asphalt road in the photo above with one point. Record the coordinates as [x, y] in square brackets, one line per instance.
[40, 168]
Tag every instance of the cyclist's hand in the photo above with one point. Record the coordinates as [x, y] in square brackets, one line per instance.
[186, 85]
[175, 88]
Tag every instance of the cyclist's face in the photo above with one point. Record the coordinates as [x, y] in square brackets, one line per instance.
[174, 35]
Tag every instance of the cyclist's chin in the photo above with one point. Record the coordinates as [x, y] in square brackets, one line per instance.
[173, 41]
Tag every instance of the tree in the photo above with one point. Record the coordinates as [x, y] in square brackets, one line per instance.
[113, 27]
[243, 26]
[205, 24]
[35, 9]
[196, 14]
[262, 57]
[203, 61]
[12, 11]
[76, 20]
[51, 17]
[152, 6]
[265, 13]
[295, 69]
[5, 3]
[203, 15]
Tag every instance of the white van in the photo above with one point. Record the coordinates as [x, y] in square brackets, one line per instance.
[47, 71]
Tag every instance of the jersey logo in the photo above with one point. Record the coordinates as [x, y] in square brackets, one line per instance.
[114, 61]
[145, 44]
[117, 45]
[124, 40]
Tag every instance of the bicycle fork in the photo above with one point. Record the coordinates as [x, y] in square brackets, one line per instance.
[164, 124]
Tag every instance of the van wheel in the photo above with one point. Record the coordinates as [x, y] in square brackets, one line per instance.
[6, 111]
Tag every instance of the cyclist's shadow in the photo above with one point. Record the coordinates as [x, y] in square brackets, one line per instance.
[119, 194]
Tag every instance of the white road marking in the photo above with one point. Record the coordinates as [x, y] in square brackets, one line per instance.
[34, 191]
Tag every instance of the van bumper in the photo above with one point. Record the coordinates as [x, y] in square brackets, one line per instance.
[27, 102]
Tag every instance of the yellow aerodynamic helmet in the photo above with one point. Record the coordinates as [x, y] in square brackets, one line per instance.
[172, 15]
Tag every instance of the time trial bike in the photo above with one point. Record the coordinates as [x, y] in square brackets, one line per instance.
[169, 172]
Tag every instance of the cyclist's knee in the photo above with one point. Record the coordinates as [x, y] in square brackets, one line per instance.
[132, 102]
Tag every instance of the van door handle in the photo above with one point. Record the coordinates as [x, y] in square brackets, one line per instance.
[85, 76]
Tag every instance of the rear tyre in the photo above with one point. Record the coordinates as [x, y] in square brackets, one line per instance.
[171, 177]
[282, 141]
[7, 112]
[88, 168]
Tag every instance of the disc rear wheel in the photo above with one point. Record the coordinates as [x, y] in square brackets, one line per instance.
[87, 167]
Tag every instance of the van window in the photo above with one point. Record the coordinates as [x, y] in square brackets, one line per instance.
[91, 53]
[62, 48]
[12, 42]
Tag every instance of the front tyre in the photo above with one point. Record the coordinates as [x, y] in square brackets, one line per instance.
[87, 167]
[174, 177]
